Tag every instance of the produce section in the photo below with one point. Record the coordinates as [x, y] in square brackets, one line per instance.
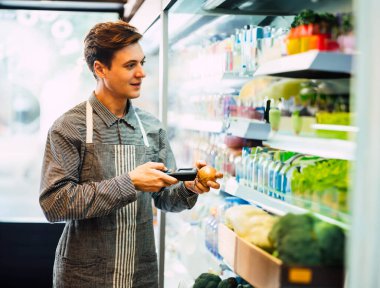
[284, 145]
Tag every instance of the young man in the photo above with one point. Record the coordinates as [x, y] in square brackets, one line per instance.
[103, 164]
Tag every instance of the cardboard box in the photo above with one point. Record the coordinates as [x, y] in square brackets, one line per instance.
[257, 266]
[227, 244]
[262, 270]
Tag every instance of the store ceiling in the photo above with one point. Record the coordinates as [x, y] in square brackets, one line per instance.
[130, 7]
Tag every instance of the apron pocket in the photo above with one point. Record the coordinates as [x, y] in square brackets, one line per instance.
[79, 273]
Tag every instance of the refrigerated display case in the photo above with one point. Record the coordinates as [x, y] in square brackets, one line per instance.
[201, 85]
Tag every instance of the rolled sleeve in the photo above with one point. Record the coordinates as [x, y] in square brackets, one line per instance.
[127, 189]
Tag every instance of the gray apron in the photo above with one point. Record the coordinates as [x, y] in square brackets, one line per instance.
[116, 250]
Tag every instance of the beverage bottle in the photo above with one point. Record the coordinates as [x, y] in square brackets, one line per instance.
[260, 170]
[271, 173]
[250, 167]
[244, 164]
[209, 230]
[214, 236]
[283, 174]
[238, 168]
[266, 163]
[236, 52]
[255, 168]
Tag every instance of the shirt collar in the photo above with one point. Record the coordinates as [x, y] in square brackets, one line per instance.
[108, 117]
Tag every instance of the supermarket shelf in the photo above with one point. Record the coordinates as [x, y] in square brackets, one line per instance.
[249, 129]
[190, 122]
[226, 83]
[231, 80]
[312, 64]
[258, 7]
[331, 127]
[270, 204]
[329, 148]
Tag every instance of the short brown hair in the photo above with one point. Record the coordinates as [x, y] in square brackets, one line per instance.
[104, 39]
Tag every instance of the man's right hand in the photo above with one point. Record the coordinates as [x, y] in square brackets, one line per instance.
[149, 177]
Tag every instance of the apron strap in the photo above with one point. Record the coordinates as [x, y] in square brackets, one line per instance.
[89, 123]
[146, 142]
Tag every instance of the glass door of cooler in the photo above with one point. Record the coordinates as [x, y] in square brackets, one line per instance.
[266, 103]
[202, 81]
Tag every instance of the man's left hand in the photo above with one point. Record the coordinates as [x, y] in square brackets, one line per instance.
[197, 187]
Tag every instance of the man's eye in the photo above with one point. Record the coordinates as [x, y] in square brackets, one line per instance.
[142, 62]
[130, 66]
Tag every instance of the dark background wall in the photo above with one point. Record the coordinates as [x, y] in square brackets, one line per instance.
[27, 253]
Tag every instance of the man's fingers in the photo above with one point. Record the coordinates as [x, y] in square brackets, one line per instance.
[214, 185]
[200, 187]
[157, 165]
[200, 163]
[218, 175]
[168, 180]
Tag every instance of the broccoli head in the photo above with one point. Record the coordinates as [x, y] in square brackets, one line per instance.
[207, 280]
[299, 247]
[228, 283]
[331, 242]
[289, 222]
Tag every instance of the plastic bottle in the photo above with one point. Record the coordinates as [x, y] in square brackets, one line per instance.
[214, 236]
[238, 168]
[244, 165]
[250, 163]
[236, 52]
[255, 167]
[260, 171]
[265, 180]
[271, 173]
[208, 230]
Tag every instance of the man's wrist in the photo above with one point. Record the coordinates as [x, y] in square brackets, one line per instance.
[190, 185]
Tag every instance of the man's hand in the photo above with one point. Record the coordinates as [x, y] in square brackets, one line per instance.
[196, 186]
[149, 177]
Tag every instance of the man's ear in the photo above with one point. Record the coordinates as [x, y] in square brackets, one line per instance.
[99, 69]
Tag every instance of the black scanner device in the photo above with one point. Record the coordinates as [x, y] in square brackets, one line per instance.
[183, 174]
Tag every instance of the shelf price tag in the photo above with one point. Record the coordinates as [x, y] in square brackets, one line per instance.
[300, 275]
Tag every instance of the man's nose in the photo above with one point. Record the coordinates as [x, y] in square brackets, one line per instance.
[140, 73]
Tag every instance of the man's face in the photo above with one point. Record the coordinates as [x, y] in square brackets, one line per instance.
[124, 78]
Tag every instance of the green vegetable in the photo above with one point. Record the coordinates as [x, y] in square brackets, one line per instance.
[207, 280]
[245, 286]
[300, 247]
[347, 23]
[331, 241]
[228, 283]
[286, 224]
[294, 240]
[306, 16]
[325, 182]
[304, 240]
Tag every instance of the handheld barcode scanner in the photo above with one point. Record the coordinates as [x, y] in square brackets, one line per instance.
[183, 174]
